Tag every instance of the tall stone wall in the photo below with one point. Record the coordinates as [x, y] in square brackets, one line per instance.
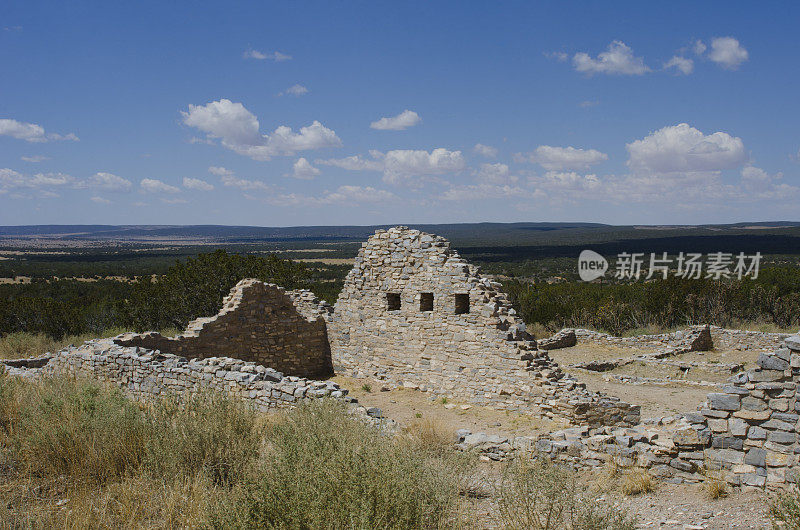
[413, 311]
[259, 322]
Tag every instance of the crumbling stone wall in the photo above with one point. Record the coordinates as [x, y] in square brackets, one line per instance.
[259, 322]
[747, 434]
[753, 422]
[145, 374]
[413, 311]
[695, 338]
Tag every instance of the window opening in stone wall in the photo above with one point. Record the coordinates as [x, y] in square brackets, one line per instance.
[426, 302]
[462, 304]
[393, 301]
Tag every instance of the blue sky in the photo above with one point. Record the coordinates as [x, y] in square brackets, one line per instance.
[304, 113]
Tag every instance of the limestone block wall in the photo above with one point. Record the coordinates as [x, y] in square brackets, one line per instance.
[747, 434]
[753, 422]
[413, 311]
[146, 374]
[259, 322]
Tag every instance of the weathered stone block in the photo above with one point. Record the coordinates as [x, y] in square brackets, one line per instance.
[780, 437]
[771, 362]
[756, 457]
[721, 401]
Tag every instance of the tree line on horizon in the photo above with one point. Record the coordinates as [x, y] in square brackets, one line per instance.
[196, 286]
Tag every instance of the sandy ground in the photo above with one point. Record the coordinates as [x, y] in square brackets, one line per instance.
[406, 406]
[656, 399]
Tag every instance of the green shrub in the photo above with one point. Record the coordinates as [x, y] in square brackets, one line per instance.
[81, 430]
[210, 435]
[784, 509]
[327, 469]
[539, 495]
[77, 429]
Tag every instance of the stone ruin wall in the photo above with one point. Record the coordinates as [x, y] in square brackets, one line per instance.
[746, 434]
[259, 322]
[729, 339]
[147, 374]
[483, 356]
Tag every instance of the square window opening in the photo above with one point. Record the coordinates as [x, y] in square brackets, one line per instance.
[462, 304]
[393, 301]
[426, 302]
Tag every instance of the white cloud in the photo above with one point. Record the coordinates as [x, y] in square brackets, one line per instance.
[354, 163]
[558, 56]
[588, 103]
[404, 120]
[219, 171]
[30, 132]
[348, 194]
[100, 200]
[10, 179]
[294, 90]
[174, 200]
[682, 64]
[303, 169]
[35, 158]
[727, 52]
[485, 150]
[495, 174]
[560, 158]
[233, 181]
[401, 165]
[699, 47]
[157, 186]
[682, 148]
[553, 180]
[272, 56]
[483, 191]
[107, 181]
[342, 195]
[617, 59]
[196, 184]
[238, 130]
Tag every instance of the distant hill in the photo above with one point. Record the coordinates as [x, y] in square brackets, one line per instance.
[511, 240]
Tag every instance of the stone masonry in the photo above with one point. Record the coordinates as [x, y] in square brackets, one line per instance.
[146, 374]
[259, 322]
[746, 435]
[412, 311]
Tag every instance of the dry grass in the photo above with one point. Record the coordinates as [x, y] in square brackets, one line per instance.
[637, 481]
[20, 345]
[132, 502]
[76, 455]
[327, 469]
[714, 488]
[618, 475]
[539, 495]
[430, 434]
